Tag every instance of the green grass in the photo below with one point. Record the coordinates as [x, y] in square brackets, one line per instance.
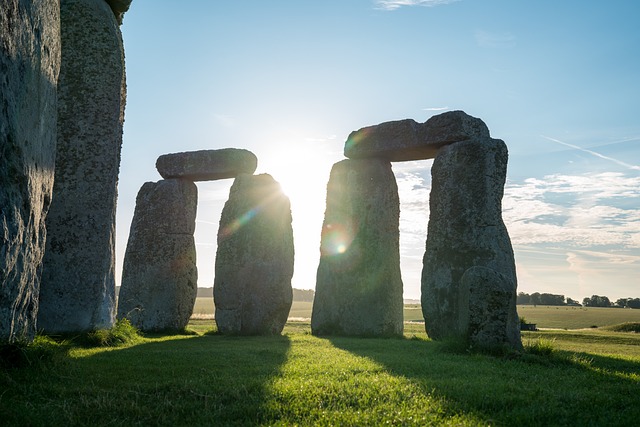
[587, 378]
[121, 333]
[625, 327]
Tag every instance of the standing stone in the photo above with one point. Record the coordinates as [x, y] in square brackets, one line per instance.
[207, 165]
[492, 321]
[159, 276]
[254, 262]
[358, 285]
[78, 285]
[29, 67]
[466, 230]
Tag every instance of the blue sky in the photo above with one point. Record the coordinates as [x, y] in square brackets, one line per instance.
[559, 82]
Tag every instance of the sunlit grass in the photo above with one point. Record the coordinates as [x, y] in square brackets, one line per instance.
[586, 377]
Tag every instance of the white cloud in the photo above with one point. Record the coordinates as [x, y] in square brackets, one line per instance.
[580, 211]
[495, 40]
[435, 109]
[597, 271]
[316, 139]
[396, 4]
[224, 120]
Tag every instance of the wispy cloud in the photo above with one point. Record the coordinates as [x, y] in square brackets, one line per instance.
[495, 40]
[396, 4]
[593, 153]
[321, 138]
[581, 211]
[435, 109]
[224, 120]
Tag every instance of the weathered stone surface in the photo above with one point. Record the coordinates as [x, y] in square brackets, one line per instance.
[78, 286]
[29, 67]
[493, 319]
[254, 262]
[358, 284]
[159, 276]
[119, 7]
[207, 165]
[465, 230]
[404, 140]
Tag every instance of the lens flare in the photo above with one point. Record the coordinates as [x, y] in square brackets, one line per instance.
[249, 215]
[237, 223]
[336, 239]
[355, 138]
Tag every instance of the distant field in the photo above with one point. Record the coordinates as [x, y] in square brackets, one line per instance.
[542, 316]
[576, 317]
[204, 309]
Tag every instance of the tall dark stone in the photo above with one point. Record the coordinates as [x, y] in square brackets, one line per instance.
[493, 320]
[466, 230]
[78, 285]
[254, 262]
[358, 285]
[29, 67]
[159, 276]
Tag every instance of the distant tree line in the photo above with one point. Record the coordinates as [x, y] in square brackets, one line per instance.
[628, 302]
[601, 301]
[304, 295]
[537, 298]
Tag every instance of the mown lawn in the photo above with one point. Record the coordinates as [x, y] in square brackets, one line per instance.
[589, 378]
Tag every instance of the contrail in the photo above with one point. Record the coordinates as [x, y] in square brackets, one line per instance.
[616, 161]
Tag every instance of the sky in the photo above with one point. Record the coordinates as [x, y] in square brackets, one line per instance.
[559, 82]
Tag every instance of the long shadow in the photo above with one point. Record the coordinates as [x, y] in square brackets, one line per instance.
[562, 389]
[191, 380]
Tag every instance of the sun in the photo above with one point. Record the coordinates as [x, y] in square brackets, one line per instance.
[303, 169]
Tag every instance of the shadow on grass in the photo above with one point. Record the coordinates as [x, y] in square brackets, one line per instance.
[188, 380]
[560, 389]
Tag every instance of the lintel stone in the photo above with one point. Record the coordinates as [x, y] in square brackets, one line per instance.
[404, 140]
[207, 165]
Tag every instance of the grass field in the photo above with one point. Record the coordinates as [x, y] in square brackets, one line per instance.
[589, 377]
[542, 316]
[299, 310]
[576, 317]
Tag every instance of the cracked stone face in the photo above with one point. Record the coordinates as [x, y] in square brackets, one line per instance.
[29, 67]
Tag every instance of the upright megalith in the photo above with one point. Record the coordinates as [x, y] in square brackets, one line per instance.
[78, 285]
[358, 284]
[207, 165]
[29, 67]
[159, 276]
[465, 232]
[254, 261]
[493, 321]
